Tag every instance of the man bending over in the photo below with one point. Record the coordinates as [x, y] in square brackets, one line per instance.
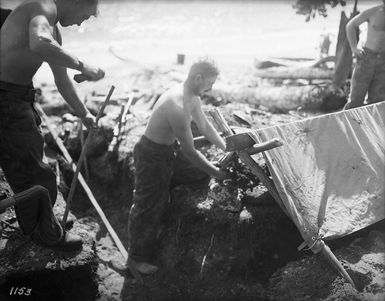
[29, 37]
[157, 164]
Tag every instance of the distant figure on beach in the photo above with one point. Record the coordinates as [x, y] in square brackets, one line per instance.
[29, 37]
[165, 156]
[324, 45]
[369, 73]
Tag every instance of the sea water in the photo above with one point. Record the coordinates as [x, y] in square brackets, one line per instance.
[151, 31]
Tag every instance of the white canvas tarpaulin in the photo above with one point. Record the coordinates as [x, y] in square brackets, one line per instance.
[330, 172]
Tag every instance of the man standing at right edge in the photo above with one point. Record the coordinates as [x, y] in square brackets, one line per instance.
[369, 74]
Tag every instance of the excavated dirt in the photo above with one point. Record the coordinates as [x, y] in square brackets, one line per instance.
[41, 273]
[228, 241]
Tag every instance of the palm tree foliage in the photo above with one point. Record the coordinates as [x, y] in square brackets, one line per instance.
[310, 8]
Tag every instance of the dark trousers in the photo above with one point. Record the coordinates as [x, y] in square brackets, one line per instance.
[21, 154]
[158, 168]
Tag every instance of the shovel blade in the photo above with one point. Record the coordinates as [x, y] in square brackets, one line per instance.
[239, 142]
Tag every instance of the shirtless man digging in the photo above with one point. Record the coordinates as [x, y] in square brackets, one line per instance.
[369, 74]
[29, 37]
[158, 163]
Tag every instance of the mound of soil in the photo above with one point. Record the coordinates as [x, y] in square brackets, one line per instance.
[229, 242]
[311, 278]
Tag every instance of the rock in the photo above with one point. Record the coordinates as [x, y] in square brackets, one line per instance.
[45, 273]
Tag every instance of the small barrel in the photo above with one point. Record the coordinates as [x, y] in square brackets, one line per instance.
[180, 59]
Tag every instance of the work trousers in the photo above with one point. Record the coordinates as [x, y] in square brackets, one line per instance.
[158, 168]
[368, 78]
[21, 155]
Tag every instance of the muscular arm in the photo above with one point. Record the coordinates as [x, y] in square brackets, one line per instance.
[206, 128]
[182, 131]
[67, 90]
[42, 42]
[353, 24]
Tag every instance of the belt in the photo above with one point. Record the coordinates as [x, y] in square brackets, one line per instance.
[377, 54]
[28, 92]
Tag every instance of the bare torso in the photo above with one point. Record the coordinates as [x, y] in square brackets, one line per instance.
[18, 63]
[376, 31]
[158, 128]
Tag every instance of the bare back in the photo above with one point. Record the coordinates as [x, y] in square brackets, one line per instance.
[18, 63]
[376, 30]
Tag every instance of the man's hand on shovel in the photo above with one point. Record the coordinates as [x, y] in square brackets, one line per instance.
[223, 174]
[89, 120]
[89, 73]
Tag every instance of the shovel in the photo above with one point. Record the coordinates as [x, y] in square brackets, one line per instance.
[244, 142]
[239, 142]
[81, 158]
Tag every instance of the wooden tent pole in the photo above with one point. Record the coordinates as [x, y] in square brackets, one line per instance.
[334, 262]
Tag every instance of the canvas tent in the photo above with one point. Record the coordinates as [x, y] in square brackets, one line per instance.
[329, 175]
[330, 172]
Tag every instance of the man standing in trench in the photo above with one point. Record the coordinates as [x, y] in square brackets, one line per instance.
[158, 162]
[29, 37]
[369, 74]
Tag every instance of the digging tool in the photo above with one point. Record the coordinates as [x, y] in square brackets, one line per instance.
[203, 138]
[79, 78]
[269, 184]
[226, 159]
[248, 140]
[82, 155]
[239, 142]
[264, 146]
[91, 197]
[82, 141]
[244, 142]
[122, 120]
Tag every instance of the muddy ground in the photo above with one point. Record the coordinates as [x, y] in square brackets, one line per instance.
[219, 242]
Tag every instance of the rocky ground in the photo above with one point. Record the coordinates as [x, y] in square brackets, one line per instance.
[228, 242]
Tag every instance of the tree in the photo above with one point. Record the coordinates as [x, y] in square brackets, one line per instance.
[310, 8]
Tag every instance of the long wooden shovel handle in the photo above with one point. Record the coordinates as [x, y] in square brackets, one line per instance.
[91, 197]
[264, 146]
[81, 158]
